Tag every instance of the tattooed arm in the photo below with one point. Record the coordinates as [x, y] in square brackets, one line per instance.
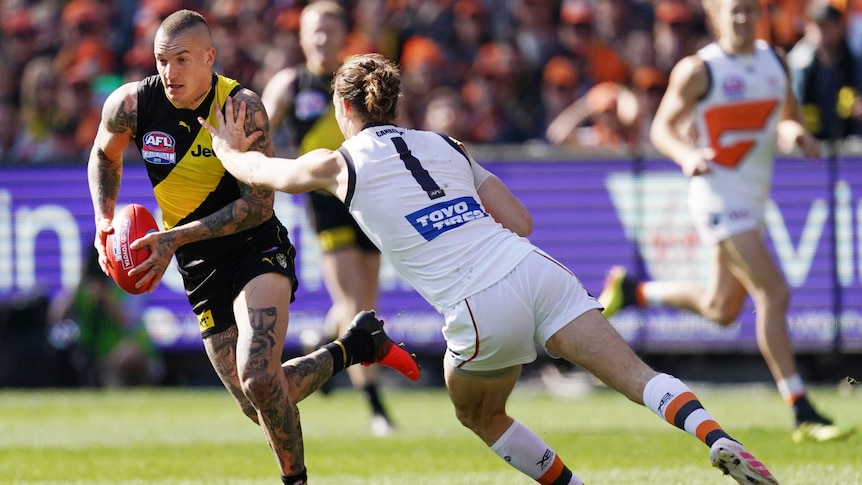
[105, 165]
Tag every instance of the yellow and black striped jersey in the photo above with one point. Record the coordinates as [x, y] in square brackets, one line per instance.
[188, 180]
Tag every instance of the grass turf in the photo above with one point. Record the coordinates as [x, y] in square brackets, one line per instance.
[197, 436]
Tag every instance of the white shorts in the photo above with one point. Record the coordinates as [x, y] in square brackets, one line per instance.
[500, 326]
[717, 217]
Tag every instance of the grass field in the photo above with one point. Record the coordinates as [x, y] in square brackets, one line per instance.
[198, 436]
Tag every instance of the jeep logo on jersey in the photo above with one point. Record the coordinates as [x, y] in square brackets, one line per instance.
[159, 148]
[434, 220]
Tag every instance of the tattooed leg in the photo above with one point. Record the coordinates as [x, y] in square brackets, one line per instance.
[261, 311]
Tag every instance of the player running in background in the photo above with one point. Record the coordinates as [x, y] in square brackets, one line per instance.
[233, 253]
[299, 97]
[456, 232]
[736, 92]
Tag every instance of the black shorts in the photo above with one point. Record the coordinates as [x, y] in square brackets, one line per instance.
[212, 286]
[336, 228]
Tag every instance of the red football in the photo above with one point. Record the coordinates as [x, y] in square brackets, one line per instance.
[131, 223]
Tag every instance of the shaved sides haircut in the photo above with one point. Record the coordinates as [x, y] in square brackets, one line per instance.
[183, 20]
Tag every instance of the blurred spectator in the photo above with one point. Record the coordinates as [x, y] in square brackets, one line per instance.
[498, 71]
[423, 67]
[83, 31]
[372, 30]
[675, 31]
[233, 55]
[8, 130]
[782, 22]
[598, 61]
[639, 48]
[94, 322]
[535, 32]
[19, 45]
[607, 117]
[561, 86]
[446, 113]
[649, 84]
[614, 19]
[82, 110]
[824, 77]
[8, 80]
[46, 135]
[424, 18]
[284, 50]
[470, 30]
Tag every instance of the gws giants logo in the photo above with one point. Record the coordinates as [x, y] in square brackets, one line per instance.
[444, 216]
[733, 87]
[159, 148]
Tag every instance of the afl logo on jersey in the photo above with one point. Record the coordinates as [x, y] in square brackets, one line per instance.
[159, 148]
[733, 86]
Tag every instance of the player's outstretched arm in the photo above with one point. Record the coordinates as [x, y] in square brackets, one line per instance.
[317, 169]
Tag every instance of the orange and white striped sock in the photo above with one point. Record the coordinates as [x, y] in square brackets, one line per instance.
[674, 402]
[791, 388]
[525, 451]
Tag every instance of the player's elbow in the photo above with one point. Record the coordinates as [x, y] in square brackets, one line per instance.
[522, 225]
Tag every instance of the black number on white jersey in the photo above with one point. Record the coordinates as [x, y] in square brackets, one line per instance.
[417, 170]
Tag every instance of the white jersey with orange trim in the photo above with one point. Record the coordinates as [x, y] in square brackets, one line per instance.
[737, 118]
[436, 234]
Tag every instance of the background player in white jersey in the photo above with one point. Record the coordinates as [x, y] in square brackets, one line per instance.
[736, 92]
[455, 231]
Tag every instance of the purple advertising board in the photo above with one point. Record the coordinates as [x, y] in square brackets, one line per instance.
[589, 214]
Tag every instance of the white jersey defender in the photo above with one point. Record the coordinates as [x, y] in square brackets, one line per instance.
[499, 294]
[731, 197]
[414, 235]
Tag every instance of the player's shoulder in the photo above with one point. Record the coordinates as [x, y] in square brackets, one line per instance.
[282, 79]
[247, 95]
[125, 91]
[121, 101]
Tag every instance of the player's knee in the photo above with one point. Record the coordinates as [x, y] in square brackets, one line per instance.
[257, 385]
[778, 296]
[724, 312]
[472, 419]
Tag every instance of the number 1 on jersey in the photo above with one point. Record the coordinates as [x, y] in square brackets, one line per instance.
[417, 170]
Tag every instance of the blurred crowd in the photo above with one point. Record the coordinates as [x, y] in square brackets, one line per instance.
[570, 72]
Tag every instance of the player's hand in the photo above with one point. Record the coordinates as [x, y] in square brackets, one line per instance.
[230, 134]
[697, 163]
[809, 146]
[162, 245]
[103, 229]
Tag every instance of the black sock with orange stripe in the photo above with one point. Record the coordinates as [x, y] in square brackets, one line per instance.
[674, 402]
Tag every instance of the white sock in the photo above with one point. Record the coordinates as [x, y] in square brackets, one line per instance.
[653, 293]
[525, 451]
[673, 401]
[791, 387]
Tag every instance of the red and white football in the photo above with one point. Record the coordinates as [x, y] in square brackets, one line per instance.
[132, 222]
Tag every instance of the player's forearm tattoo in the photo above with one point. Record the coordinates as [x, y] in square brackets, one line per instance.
[109, 178]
